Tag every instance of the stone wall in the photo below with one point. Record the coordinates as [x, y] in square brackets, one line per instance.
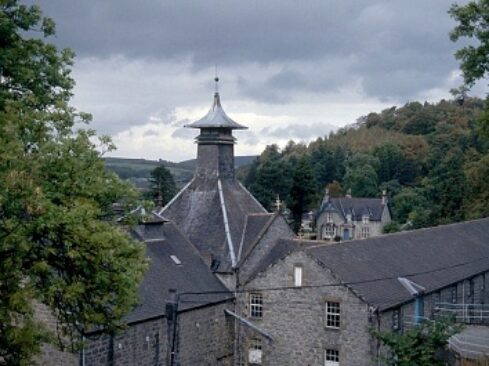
[51, 355]
[295, 317]
[204, 337]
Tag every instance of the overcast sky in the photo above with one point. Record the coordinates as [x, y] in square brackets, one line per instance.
[289, 69]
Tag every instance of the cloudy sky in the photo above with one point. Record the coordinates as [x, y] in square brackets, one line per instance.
[289, 69]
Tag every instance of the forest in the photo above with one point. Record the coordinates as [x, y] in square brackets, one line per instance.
[432, 158]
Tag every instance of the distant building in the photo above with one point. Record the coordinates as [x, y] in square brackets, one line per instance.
[348, 218]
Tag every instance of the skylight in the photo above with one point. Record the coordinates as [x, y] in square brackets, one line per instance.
[175, 259]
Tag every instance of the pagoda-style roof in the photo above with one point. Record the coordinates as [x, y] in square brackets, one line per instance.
[216, 118]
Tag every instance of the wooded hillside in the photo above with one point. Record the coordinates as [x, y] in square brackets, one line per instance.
[429, 157]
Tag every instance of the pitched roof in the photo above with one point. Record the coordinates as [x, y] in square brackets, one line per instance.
[200, 210]
[356, 207]
[216, 117]
[433, 258]
[164, 240]
[254, 227]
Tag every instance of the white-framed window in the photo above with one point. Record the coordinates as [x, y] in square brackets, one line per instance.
[329, 217]
[328, 231]
[348, 217]
[297, 276]
[365, 219]
[256, 305]
[255, 352]
[333, 314]
[365, 232]
[331, 357]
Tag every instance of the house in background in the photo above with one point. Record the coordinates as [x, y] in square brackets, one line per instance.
[347, 218]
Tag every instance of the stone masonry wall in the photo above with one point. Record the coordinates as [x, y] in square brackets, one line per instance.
[436, 304]
[295, 317]
[204, 338]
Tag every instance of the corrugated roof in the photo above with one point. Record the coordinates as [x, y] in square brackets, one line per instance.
[164, 273]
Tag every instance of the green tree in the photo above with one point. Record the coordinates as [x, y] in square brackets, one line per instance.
[420, 345]
[59, 245]
[472, 23]
[361, 175]
[163, 187]
[407, 201]
[272, 177]
[302, 192]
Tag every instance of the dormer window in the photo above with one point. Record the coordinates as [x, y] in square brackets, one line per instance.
[348, 217]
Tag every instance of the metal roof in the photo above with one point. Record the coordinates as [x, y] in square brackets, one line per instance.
[216, 118]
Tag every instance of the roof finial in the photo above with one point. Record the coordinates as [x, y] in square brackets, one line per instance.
[216, 79]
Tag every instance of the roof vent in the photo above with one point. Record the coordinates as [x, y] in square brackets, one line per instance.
[175, 259]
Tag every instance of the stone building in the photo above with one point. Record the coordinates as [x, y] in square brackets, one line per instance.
[347, 218]
[197, 245]
[218, 215]
[316, 302]
[229, 285]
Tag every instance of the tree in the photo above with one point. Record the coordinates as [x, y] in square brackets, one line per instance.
[474, 59]
[163, 186]
[418, 346]
[59, 245]
[361, 175]
[302, 192]
[272, 177]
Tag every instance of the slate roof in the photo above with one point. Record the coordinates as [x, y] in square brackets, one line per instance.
[356, 207]
[192, 275]
[433, 258]
[255, 225]
[216, 117]
[197, 210]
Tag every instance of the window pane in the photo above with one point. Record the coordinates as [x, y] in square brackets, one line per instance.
[297, 276]
[256, 305]
[331, 357]
[332, 314]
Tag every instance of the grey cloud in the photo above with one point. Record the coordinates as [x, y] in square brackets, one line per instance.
[301, 131]
[184, 133]
[396, 48]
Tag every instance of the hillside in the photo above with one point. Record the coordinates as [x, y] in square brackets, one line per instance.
[431, 158]
[138, 170]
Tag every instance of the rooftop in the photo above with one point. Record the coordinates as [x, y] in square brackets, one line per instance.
[216, 118]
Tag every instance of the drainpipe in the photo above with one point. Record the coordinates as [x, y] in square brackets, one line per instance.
[171, 311]
[417, 292]
[236, 323]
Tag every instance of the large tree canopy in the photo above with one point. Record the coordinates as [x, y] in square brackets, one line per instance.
[59, 244]
[473, 23]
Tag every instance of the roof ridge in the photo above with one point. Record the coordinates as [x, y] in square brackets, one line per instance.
[260, 236]
[226, 223]
[176, 196]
